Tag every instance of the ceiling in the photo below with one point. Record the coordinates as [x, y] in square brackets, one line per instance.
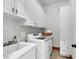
[46, 2]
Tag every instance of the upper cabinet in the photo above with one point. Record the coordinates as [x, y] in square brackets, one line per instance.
[14, 7]
[40, 16]
[7, 5]
[19, 10]
[34, 11]
[30, 10]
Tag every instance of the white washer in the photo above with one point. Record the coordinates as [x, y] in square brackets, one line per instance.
[43, 48]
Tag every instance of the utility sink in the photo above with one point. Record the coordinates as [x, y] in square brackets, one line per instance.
[15, 51]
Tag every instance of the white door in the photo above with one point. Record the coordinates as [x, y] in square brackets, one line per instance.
[65, 46]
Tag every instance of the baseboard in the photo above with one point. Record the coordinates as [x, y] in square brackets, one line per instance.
[56, 48]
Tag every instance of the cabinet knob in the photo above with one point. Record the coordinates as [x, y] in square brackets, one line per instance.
[16, 11]
[12, 9]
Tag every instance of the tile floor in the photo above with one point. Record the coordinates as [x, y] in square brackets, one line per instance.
[56, 55]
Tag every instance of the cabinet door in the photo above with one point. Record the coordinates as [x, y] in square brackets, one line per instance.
[50, 46]
[19, 9]
[7, 5]
[40, 20]
[40, 15]
[29, 55]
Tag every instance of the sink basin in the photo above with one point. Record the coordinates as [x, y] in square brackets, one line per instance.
[14, 51]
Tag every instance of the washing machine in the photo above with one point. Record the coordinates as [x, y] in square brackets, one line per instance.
[44, 49]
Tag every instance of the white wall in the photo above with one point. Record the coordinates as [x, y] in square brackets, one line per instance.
[52, 22]
[12, 27]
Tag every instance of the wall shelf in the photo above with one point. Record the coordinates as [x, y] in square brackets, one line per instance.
[33, 26]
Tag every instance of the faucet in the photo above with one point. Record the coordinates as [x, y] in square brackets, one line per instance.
[7, 43]
[10, 42]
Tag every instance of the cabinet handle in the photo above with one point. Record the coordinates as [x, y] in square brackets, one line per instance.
[12, 9]
[74, 45]
[16, 11]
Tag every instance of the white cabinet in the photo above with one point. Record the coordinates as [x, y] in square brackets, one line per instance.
[34, 11]
[40, 20]
[19, 10]
[40, 16]
[30, 10]
[50, 45]
[7, 6]
[65, 40]
[29, 55]
[14, 7]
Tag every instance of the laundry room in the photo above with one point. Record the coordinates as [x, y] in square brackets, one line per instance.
[39, 29]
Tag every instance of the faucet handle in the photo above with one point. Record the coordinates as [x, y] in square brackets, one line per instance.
[14, 36]
[14, 39]
[9, 42]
